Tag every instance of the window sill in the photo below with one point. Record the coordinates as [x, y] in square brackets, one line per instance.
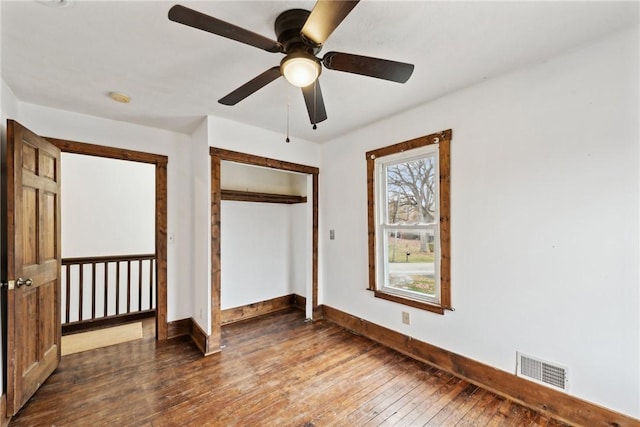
[410, 302]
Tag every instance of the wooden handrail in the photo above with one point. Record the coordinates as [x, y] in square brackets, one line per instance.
[108, 258]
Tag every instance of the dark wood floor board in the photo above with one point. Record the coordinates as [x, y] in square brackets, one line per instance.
[272, 391]
[250, 334]
[453, 412]
[552, 423]
[508, 414]
[365, 397]
[487, 404]
[275, 370]
[353, 382]
[420, 406]
[103, 382]
[289, 402]
[531, 418]
[366, 388]
[383, 398]
[415, 398]
[489, 411]
[290, 374]
[267, 354]
[448, 395]
[249, 368]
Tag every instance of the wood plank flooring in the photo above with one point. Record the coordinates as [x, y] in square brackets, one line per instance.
[275, 370]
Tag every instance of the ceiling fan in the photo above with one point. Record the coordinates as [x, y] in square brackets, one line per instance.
[300, 36]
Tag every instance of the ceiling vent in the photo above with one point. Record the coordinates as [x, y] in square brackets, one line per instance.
[56, 3]
[542, 372]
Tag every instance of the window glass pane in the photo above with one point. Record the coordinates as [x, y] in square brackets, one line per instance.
[411, 188]
[410, 260]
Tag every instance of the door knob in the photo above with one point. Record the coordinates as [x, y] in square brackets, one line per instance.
[22, 282]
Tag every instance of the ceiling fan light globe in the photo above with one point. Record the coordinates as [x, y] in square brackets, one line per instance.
[300, 71]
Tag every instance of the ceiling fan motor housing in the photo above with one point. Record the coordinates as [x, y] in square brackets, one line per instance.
[288, 27]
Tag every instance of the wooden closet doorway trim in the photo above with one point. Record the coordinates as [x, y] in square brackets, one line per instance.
[160, 163]
[217, 155]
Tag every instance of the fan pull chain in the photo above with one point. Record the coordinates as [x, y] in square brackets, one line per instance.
[315, 104]
[288, 109]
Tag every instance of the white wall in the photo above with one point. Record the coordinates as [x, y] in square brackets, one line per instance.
[200, 225]
[235, 136]
[108, 206]
[78, 127]
[241, 177]
[264, 251]
[255, 252]
[545, 214]
[299, 227]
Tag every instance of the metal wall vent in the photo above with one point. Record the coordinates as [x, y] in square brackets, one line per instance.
[542, 372]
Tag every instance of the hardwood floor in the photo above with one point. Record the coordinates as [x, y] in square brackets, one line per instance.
[276, 370]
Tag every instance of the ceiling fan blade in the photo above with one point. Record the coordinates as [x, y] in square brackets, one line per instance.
[325, 18]
[195, 19]
[373, 67]
[315, 104]
[251, 86]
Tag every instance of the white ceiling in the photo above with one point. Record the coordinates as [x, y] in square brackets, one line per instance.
[71, 57]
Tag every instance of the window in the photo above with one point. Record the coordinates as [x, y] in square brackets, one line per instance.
[408, 195]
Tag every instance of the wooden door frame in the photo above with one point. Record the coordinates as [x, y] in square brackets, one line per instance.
[217, 155]
[160, 163]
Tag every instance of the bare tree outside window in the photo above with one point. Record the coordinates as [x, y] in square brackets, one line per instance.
[411, 196]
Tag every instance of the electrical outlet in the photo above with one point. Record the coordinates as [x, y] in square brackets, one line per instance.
[405, 318]
[332, 234]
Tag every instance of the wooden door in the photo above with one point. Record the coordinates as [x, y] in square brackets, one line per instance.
[33, 263]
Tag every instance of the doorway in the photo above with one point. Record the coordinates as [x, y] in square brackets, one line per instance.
[266, 237]
[108, 254]
[217, 157]
[160, 229]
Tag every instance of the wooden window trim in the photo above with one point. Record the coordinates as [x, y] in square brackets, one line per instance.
[444, 140]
